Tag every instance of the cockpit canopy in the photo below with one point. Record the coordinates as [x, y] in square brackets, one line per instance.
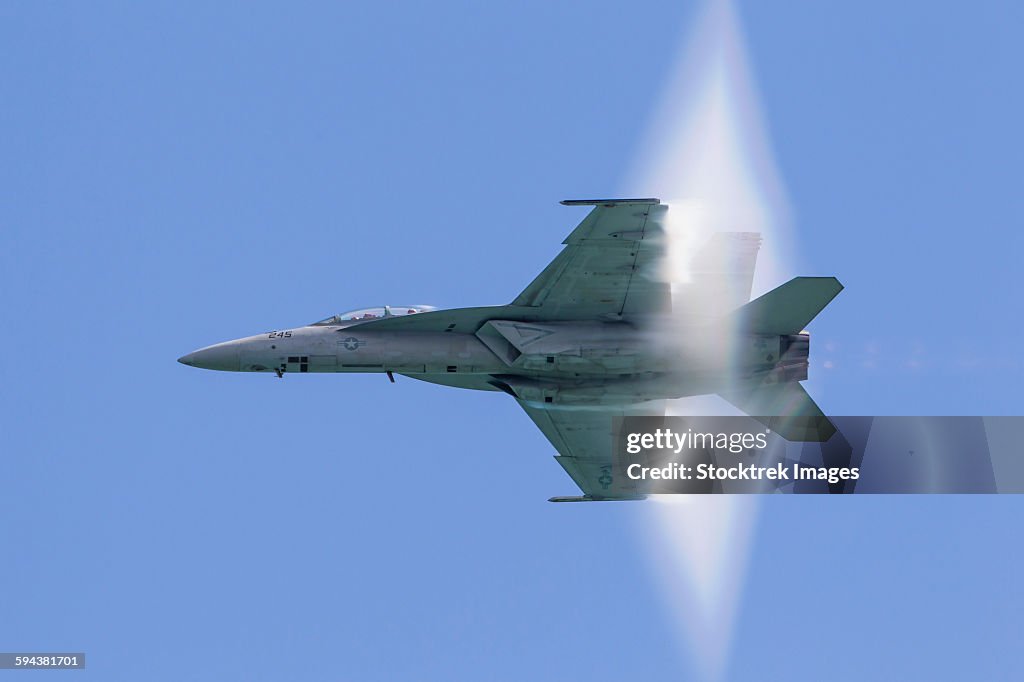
[367, 314]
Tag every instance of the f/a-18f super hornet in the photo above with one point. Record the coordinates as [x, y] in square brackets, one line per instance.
[602, 332]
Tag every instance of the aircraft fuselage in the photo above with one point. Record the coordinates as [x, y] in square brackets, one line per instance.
[553, 362]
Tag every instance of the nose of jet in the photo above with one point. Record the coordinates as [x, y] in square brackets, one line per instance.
[223, 357]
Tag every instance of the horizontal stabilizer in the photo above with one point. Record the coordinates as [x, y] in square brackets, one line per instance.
[789, 308]
[786, 409]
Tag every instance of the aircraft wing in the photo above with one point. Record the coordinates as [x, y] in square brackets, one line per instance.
[610, 265]
[583, 438]
[614, 265]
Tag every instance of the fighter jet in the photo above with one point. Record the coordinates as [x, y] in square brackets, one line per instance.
[603, 331]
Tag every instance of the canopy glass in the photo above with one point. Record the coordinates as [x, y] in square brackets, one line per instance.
[366, 314]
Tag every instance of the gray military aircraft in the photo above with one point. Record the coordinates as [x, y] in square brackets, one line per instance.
[600, 333]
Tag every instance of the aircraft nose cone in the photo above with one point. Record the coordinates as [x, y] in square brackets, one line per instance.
[223, 357]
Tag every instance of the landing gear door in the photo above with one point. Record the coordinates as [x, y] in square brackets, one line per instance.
[259, 362]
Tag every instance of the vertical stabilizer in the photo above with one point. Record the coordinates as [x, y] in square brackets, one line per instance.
[789, 308]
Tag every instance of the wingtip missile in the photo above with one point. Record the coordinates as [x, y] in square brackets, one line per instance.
[592, 498]
[607, 202]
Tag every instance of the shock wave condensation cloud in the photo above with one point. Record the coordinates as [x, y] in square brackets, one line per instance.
[708, 155]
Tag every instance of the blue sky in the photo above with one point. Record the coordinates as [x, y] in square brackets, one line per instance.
[176, 175]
